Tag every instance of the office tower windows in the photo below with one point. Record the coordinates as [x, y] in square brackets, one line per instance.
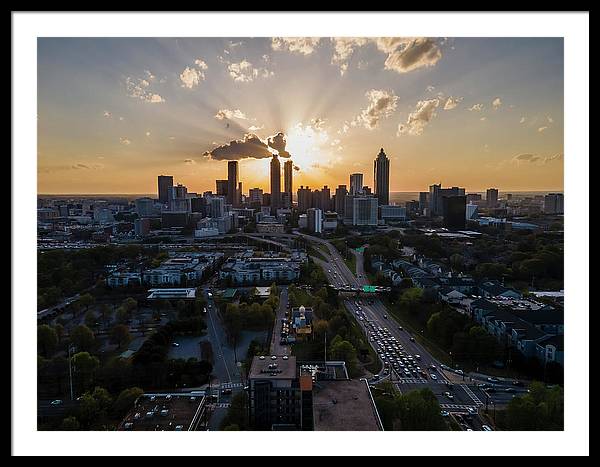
[165, 186]
[492, 197]
[356, 184]
[381, 178]
[275, 184]
[221, 187]
[304, 199]
[554, 203]
[288, 171]
[340, 199]
[232, 182]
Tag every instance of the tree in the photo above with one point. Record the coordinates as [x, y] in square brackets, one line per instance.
[93, 408]
[120, 335]
[70, 424]
[60, 331]
[90, 319]
[106, 313]
[344, 350]
[84, 366]
[86, 300]
[129, 304]
[47, 340]
[125, 400]
[83, 338]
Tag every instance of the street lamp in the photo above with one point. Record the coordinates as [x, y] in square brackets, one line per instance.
[71, 350]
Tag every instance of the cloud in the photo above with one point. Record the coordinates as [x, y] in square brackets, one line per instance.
[245, 72]
[80, 166]
[278, 142]
[226, 114]
[430, 88]
[408, 54]
[107, 114]
[556, 157]
[522, 120]
[296, 168]
[542, 129]
[189, 161]
[452, 102]
[317, 123]
[300, 45]
[251, 146]
[419, 118]
[527, 158]
[139, 89]
[256, 128]
[147, 133]
[496, 103]
[343, 49]
[191, 76]
[476, 108]
[550, 119]
[382, 104]
[125, 141]
[483, 119]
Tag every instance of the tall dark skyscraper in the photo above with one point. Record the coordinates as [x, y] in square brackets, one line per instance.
[340, 199]
[356, 184]
[288, 174]
[304, 199]
[275, 184]
[165, 187]
[454, 208]
[492, 197]
[381, 177]
[232, 182]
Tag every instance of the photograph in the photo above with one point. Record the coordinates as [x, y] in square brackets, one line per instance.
[317, 233]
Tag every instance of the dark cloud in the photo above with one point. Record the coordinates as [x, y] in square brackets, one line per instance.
[296, 168]
[250, 147]
[278, 142]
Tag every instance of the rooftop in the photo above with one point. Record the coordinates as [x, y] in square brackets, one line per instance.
[267, 367]
[187, 293]
[343, 406]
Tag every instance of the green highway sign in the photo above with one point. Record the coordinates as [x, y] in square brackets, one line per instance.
[369, 288]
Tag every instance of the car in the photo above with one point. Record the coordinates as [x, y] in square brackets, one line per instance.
[175, 344]
[472, 410]
[385, 316]
[493, 380]
[518, 383]
[444, 413]
[509, 390]
[56, 402]
[449, 396]
[400, 328]
[433, 377]
[486, 428]
[226, 391]
[412, 339]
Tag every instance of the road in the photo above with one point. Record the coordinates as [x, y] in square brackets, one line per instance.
[276, 347]
[394, 345]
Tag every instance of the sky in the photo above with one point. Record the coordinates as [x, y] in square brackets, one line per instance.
[113, 113]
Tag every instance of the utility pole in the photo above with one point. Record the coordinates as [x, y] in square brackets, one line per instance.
[70, 371]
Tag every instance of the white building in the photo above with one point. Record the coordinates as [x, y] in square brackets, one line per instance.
[392, 213]
[471, 211]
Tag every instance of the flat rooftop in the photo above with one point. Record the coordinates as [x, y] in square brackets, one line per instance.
[281, 367]
[164, 412]
[188, 293]
[343, 406]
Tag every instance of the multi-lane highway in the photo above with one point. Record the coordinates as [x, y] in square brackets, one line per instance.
[406, 362]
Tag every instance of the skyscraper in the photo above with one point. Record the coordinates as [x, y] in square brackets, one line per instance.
[455, 211]
[340, 199]
[232, 183]
[492, 197]
[304, 199]
[165, 186]
[554, 203]
[275, 184]
[221, 187]
[356, 184]
[256, 195]
[288, 171]
[381, 177]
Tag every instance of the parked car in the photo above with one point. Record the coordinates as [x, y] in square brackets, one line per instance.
[56, 402]
[486, 428]
[175, 344]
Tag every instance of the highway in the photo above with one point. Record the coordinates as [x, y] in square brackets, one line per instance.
[396, 346]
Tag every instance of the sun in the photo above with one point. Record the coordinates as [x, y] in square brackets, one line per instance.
[307, 145]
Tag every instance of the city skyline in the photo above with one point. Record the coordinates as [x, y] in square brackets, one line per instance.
[472, 112]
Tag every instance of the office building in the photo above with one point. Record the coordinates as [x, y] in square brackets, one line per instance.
[471, 211]
[222, 186]
[392, 213]
[437, 193]
[304, 199]
[144, 207]
[232, 183]
[454, 208]
[491, 198]
[364, 210]
[141, 227]
[554, 203]
[288, 174]
[172, 219]
[474, 198]
[381, 178]
[279, 397]
[198, 204]
[340, 199]
[275, 184]
[255, 195]
[165, 187]
[315, 220]
[330, 220]
[423, 200]
[240, 194]
[217, 206]
[356, 184]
